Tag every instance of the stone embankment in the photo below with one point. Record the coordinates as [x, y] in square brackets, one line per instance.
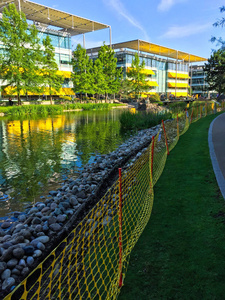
[37, 230]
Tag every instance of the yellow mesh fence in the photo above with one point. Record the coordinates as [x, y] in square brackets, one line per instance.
[89, 262]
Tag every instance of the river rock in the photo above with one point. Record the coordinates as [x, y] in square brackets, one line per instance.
[3, 266]
[16, 271]
[81, 195]
[73, 201]
[33, 210]
[12, 263]
[37, 253]
[61, 218]
[25, 271]
[26, 233]
[36, 221]
[6, 274]
[7, 254]
[29, 250]
[18, 253]
[53, 206]
[6, 225]
[53, 193]
[8, 283]
[55, 227]
[43, 239]
[22, 263]
[30, 261]
[40, 246]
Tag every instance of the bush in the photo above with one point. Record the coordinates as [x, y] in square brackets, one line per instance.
[154, 98]
[142, 120]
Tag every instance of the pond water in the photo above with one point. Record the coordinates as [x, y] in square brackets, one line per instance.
[38, 153]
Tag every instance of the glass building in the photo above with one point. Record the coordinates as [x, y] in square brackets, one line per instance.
[60, 27]
[167, 69]
[198, 84]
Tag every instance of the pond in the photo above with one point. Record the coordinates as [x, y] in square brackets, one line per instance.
[38, 153]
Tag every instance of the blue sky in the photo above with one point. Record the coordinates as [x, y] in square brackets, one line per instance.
[184, 25]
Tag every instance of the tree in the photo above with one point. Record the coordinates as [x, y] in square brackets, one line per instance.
[98, 78]
[19, 62]
[49, 70]
[82, 75]
[137, 76]
[215, 71]
[112, 75]
[219, 23]
[125, 88]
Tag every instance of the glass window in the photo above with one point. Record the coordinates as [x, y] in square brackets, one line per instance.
[57, 58]
[64, 59]
[54, 40]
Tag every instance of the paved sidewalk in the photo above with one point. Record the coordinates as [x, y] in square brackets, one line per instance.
[216, 141]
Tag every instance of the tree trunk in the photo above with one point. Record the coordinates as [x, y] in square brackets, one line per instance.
[19, 100]
[106, 97]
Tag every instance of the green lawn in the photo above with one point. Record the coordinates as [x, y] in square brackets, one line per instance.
[180, 254]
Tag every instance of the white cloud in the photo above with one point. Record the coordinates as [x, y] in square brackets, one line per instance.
[165, 5]
[184, 31]
[119, 8]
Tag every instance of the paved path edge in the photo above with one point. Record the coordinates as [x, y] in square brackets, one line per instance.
[219, 176]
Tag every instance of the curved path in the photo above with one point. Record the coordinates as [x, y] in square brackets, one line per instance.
[216, 141]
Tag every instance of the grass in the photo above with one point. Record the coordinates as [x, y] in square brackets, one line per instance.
[180, 254]
[53, 109]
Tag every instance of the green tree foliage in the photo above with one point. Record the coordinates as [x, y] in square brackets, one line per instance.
[49, 77]
[99, 83]
[215, 71]
[21, 54]
[137, 77]
[219, 23]
[125, 88]
[111, 75]
[82, 71]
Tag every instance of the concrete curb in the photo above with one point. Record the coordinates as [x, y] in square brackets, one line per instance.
[219, 176]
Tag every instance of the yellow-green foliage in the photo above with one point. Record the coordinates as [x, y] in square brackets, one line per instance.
[154, 98]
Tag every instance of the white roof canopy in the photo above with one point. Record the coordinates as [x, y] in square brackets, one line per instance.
[52, 17]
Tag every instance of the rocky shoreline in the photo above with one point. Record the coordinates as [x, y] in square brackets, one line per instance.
[27, 238]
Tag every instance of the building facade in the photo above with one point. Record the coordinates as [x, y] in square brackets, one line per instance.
[60, 27]
[167, 69]
[198, 83]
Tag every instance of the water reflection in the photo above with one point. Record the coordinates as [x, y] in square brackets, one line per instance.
[33, 150]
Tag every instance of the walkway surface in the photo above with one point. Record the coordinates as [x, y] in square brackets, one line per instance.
[216, 140]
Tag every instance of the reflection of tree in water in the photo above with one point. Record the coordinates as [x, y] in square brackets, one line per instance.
[32, 156]
[32, 150]
[97, 137]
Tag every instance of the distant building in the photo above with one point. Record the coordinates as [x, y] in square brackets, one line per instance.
[60, 27]
[167, 69]
[198, 83]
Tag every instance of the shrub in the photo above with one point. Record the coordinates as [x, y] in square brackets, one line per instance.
[142, 120]
[154, 98]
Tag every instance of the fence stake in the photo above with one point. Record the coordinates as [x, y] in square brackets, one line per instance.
[177, 127]
[197, 112]
[120, 229]
[206, 109]
[192, 114]
[200, 111]
[165, 138]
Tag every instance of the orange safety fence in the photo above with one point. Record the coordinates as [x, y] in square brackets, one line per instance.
[91, 262]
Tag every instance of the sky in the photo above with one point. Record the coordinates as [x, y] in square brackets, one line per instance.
[185, 25]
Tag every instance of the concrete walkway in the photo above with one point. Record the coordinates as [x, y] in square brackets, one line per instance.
[216, 141]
